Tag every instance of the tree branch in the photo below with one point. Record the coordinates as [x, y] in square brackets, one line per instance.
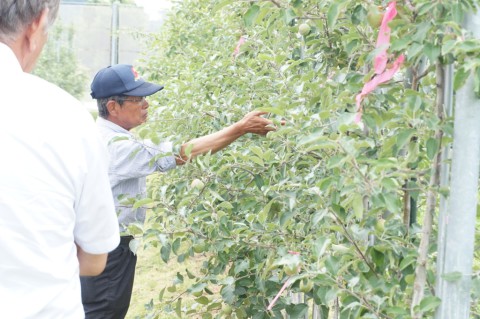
[421, 269]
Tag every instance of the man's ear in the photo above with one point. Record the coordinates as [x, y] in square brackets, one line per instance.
[112, 107]
[36, 30]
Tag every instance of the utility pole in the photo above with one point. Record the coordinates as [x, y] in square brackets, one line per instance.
[456, 239]
[114, 34]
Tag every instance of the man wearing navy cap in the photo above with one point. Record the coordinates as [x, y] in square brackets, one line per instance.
[120, 93]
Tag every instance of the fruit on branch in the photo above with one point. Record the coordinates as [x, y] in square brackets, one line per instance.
[304, 29]
[198, 184]
[374, 17]
[306, 285]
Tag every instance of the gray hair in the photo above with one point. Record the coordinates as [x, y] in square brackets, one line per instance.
[102, 104]
[18, 14]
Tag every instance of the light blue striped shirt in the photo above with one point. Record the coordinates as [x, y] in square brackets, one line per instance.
[131, 161]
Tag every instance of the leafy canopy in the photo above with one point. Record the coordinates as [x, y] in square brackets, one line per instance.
[321, 199]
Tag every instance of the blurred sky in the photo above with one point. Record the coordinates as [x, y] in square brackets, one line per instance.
[154, 8]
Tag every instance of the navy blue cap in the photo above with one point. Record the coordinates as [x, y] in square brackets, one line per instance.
[121, 79]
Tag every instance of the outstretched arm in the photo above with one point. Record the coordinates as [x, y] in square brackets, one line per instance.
[251, 123]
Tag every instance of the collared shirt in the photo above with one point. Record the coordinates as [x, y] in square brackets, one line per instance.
[54, 194]
[131, 161]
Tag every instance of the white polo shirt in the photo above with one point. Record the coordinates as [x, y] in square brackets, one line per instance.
[54, 192]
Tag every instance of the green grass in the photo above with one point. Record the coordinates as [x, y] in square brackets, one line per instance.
[152, 275]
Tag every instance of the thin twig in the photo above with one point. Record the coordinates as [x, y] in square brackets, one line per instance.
[350, 239]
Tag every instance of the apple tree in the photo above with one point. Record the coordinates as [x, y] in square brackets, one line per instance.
[331, 204]
[59, 64]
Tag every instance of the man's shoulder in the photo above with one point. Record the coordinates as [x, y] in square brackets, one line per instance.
[108, 129]
[50, 91]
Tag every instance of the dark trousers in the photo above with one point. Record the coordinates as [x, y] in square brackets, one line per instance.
[107, 296]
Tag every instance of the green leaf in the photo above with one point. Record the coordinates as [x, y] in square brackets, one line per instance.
[429, 303]
[407, 261]
[333, 12]
[262, 216]
[403, 137]
[181, 258]
[256, 160]
[320, 245]
[469, 46]
[426, 7]
[389, 184]
[476, 287]
[476, 82]
[448, 46]
[228, 293]
[297, 311]
[288, 16]
[257, 150]
[134, 244]
[208, 315]
[396, 311]
[143, 133]
[432, 147]
[461, 76]
[339, 211]
[357, 204]
[189, 274]
[188, 150]
[457, 12]
[176, 245]
[259, 181]
[178, 280]
[336, 161]
[203, 300]
[178, 307]
[241, 265]
[422, 31]
[359, 14]
[415, 49]
[160, 295]
[251, 15]
[452, 276]
[142, 202]
[392, 202]
[216, 195]
[273, 110]
[222, 4]
[432, 52]
[400, 44]
[318, 216]
[165, 253]
[135, 229]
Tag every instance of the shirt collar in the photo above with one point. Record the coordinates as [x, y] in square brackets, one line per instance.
[9, 60]
[111, 126]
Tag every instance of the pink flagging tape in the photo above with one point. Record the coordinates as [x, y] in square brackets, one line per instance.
[382, 74]
[241, 41]
[285, 285]
[383, 38]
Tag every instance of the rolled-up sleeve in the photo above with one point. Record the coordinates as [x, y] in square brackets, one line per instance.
[131, 158]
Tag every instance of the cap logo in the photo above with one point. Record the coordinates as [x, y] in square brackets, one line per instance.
[135, 74]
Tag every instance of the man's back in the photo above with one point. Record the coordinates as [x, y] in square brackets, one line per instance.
[54, 193]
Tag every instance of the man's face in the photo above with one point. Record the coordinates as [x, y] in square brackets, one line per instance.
[132, 112]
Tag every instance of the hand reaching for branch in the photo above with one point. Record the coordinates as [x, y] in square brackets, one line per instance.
[253, 122]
